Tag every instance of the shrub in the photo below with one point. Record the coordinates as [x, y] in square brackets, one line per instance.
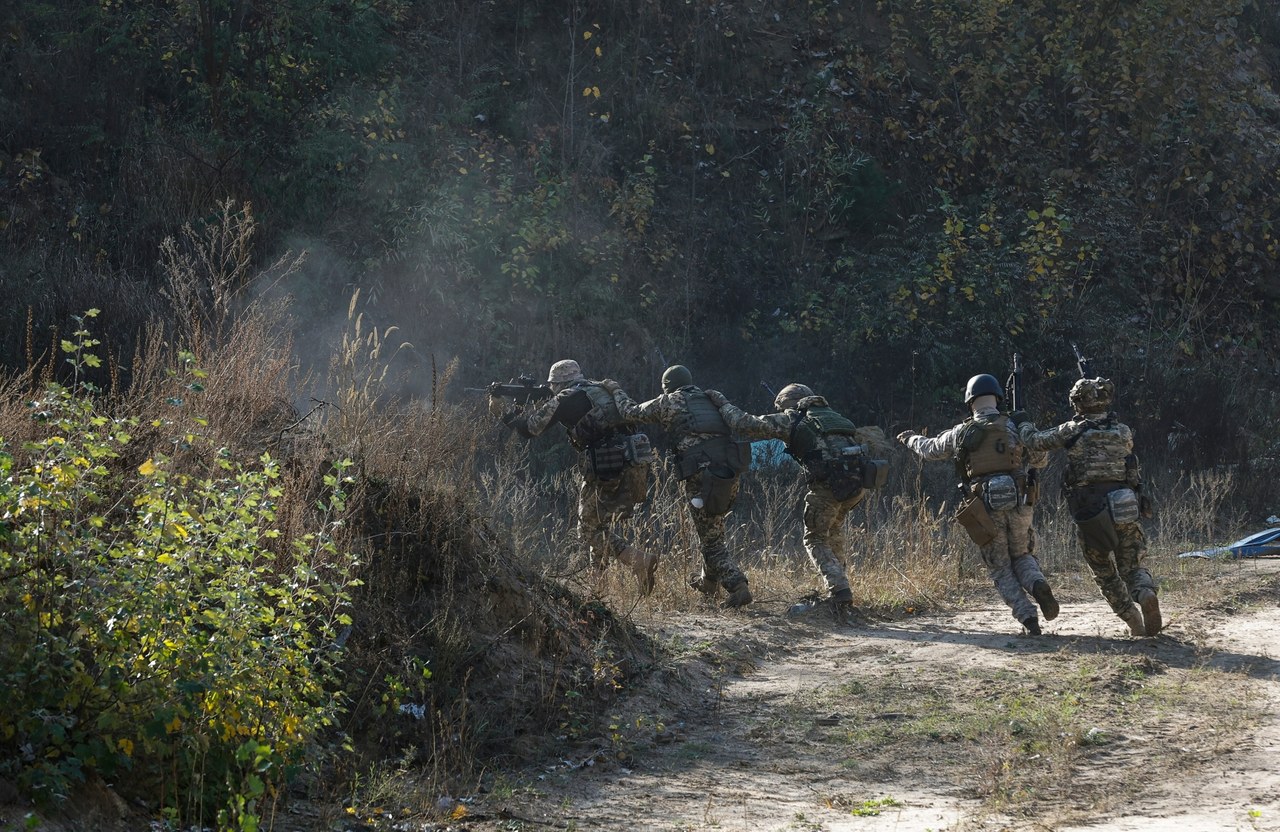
[156, 620]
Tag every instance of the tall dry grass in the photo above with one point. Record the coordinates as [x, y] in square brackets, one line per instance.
[903, 551]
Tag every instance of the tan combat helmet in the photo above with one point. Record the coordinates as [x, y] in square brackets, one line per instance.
[1092, 395]
[789, 396]
[564, 372]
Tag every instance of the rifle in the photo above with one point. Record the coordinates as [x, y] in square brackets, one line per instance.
[1013, 387]
[522, 389]
[1084, 365]
[1018, 402]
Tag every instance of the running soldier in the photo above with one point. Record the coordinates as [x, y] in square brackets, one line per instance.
[1104, 488]
[612, 461]
[832, 450]
[709, 460]
[992, 464]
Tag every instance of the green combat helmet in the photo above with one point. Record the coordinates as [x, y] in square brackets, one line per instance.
[675, 377]
[1092, 395]
[789, 396]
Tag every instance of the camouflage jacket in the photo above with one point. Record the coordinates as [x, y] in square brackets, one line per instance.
[1097, 448]
[946, 444]
[571, 408]
[780, 425]
[670, 410]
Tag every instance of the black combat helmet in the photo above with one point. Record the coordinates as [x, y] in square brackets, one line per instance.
[983, 385]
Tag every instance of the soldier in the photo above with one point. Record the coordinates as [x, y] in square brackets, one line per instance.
[1103, 487]
[708, 460]
[830, 447]
[992, 463]
[612, 464]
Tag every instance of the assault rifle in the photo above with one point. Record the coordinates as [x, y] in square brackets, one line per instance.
[1084, 365]
[522, 390]
[1018, 402]
[1013, 387]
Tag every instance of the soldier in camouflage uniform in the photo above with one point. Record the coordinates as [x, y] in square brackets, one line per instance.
[611, 485]
[709, 460]
[1103, 487]
[992, 463]
[823, 441]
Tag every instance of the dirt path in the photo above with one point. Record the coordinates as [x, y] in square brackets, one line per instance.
[950, 721]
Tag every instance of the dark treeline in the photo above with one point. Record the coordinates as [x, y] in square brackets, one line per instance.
[880, 199]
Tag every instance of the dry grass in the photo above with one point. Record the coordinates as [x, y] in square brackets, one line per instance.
[902, 550]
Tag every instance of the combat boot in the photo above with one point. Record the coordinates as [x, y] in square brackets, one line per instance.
[842, 606]
[1032, 624]
[1044, 597]
[739, 595]
[644, 565]
[1150, 611]
[1137, 627]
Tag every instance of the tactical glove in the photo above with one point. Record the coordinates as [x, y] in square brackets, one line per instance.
[905, 435]
[497, 407]
[610, 385]
[1018, 417]
[717, 398]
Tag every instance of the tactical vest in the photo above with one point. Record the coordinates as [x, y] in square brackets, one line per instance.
[1098, 453]
[985, 447]
[602, 421]
[701, 415]
[702, 418]
[816, 424]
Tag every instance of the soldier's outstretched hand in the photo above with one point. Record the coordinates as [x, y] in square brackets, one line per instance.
[905, 435]
[497, 407]
[717, 398]
[610, 385]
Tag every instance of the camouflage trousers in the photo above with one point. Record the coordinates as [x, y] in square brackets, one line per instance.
[1010, 562]
[602, 504]
[1121, 580]
[718, 565]
[824, 537]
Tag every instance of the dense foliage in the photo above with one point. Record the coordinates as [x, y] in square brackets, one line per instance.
[159, 630]
[911, 188]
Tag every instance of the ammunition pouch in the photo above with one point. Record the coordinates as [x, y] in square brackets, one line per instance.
[719, 451]
[1000, 493]
[1123, 506]
[843, 477]
[606, 462]
[1099, 532]
[973, 515]
[848, 473]
[639, 450]
[875, 473]
[717, 492]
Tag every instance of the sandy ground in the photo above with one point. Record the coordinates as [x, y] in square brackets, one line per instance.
[939, 722]
[947, 721]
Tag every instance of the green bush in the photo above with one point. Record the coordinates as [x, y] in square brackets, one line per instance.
[155, 619]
